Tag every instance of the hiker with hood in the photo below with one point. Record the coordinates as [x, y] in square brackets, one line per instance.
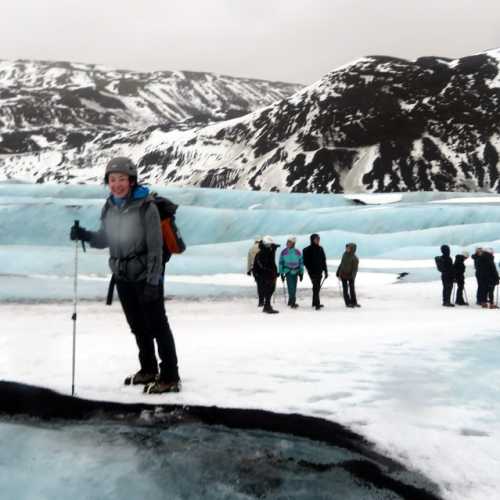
[265, 270]
[130, 228]
[444, 265]
[315, 262]
[459, 272]
[487, 277]
[254, 249]
[475, 257]
[346, 272]
[291, 267]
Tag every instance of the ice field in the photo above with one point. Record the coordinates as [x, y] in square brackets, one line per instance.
[418, 380]
[219, 226]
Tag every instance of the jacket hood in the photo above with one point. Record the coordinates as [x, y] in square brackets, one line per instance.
[353, 246]
[445, 250]
[140, 192]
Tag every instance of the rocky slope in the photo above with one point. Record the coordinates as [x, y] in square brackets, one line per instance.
[378, 124]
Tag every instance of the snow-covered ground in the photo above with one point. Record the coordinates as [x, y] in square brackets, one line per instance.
[419, 380]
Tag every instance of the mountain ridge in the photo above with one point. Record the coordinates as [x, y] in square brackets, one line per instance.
[377, 124]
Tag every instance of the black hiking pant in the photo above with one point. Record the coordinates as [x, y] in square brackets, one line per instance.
[447, 289]
[268, 286]
[491, 294]
[460, 291]
[349, 292]
[260, 292]
[316, 283]
[484, 292]
[148, 322]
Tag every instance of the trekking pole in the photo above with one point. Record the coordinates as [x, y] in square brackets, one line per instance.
[75, 301]
[284, 292]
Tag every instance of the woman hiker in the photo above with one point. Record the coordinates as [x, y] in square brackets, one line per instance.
[130, 228]
[291, 267]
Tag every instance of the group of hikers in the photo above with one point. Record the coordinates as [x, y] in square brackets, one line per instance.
[133, 227]
[261, 263]
[454, 272]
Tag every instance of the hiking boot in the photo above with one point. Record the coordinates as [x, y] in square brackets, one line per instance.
[318, 308]
[294, 306]
[350, 305]
[261, 303]
[269, 310]
[461, 303]
[140, 378]
[447, 304]
[493, 306]
[162, 387]
[484, 306]
[356, 305]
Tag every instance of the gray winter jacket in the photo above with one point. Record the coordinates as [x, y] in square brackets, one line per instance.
[133, 235]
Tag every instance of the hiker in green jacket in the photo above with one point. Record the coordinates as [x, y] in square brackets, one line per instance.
[346, 272]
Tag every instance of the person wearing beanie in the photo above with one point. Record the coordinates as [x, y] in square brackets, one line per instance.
[291, 268]
[459, 273]
[130, 228]
[315, 263]
[444, 265]
[254, 250]
[346, 272]
[264, 267]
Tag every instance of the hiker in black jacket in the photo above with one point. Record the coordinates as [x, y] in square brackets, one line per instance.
[459, 271]
[266, 271]
[445, 267]
[475, 257]
[315, 263]
[487, 276]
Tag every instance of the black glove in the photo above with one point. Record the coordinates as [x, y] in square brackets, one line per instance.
[79, 233]
[151, 293]
[249, 273]
[326, 274]
[301, 277]
[282, 277]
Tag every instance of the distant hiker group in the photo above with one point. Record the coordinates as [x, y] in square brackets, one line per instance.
[261, 263]
[454, 272]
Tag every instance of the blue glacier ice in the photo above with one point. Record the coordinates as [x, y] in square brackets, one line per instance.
[219, 226]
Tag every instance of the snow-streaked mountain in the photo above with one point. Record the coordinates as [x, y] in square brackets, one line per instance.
[45, 103]
[377, 124]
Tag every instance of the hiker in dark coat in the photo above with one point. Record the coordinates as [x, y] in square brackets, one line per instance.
[130, 228]
[459, 273]
[315, 264]
[346, 272]
[475, 256]
[487, 277]
[266, 271]
[445, 267]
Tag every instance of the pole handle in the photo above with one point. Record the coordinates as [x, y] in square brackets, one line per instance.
[77, 225]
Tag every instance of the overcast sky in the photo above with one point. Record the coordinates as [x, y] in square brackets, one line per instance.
[289, 40]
